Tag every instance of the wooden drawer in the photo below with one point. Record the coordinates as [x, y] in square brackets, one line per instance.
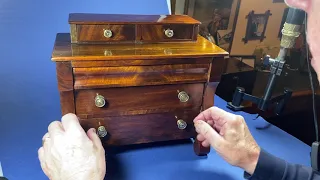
[138, 100]
[167, 32]
[125, 130]
[105, 33]
[104, 77]
[89, 28]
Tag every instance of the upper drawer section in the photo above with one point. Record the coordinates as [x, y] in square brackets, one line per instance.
[102, 77]
[104, 33]
[111, 28]
[167, 32]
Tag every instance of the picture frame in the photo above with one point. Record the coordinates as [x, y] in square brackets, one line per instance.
[256, 26]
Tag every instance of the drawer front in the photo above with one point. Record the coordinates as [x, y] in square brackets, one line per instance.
[169, 32]
[125, 130]
[106, 33]
[105, 77]
[137, 100]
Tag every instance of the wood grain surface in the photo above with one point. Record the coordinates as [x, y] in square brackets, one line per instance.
[102, 77]
[95, 33]
[137, 100]
[65, 51]
[157, 32]
[92, 18]
[65, 87]
[137, 129]
[141, 62]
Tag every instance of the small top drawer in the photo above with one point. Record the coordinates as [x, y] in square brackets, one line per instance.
[167, 32]
[122, 28]
[103, 33]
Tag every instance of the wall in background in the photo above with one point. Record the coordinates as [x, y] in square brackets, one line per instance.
[273, 26]
[29, 98]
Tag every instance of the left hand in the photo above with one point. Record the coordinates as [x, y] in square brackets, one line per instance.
[68, 153]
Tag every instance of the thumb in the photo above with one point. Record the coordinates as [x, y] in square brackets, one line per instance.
[209, 134]
[94, 138]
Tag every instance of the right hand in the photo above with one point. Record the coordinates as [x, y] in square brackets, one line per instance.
[229, 135]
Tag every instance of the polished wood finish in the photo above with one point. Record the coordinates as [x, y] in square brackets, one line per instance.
[219, 66]
[64, 51]
[139, 100]
[102, 77]
[89, 28]
[65, 87]
[157, 32]
[95, 19]
[95, 33]
[139, 82]
[120, 63]
[126, 130]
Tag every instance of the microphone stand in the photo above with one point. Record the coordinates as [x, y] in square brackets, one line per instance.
[266, 101]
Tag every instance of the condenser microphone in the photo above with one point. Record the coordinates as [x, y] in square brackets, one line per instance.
[292, 27]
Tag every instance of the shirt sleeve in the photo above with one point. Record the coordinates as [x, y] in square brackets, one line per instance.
[270, 167]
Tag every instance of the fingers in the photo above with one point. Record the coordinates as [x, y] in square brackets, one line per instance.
[46, 142]
[212, 114]
[94, 138]
[200, 137]
[43, 164]
[71, 122]
[209, 134]
[215, 117]
[55, 129]
[205, 143]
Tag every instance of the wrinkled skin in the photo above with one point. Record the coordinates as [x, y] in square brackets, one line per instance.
[68, 153]
[227, 133]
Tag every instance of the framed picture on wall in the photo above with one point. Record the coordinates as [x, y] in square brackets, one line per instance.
[256, 26]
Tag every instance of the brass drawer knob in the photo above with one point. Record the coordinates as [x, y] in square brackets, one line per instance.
[183, 96]
[99, 101]
[102, 132]
[107, 33]
[181, 124]
[168, 33]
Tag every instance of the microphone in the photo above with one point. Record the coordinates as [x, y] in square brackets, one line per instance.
[290, 32]
[292, 27]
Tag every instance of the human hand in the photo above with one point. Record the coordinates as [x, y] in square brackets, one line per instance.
[229, 135]
[68, 153]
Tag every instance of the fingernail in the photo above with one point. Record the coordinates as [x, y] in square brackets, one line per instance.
[93, 130]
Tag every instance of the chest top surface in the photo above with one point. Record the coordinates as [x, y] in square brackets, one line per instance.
[87, 18]
[64, 50]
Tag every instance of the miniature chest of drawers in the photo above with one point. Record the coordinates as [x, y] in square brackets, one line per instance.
[136, 78]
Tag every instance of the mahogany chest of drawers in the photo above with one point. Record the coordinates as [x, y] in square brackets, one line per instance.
[136, 79]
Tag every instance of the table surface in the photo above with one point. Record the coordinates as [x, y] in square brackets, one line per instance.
[29, 100]
[172, 160]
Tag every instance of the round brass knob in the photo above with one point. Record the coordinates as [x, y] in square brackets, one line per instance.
[107, 33]
[102, 132]
[181, 124]
[99, 101]
[168, 33]
[183, 96]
